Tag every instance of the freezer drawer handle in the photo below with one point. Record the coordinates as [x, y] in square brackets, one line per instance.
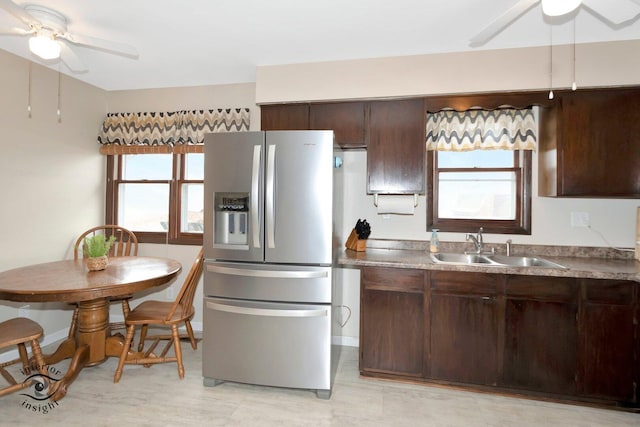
[268, 273]
[268, 312]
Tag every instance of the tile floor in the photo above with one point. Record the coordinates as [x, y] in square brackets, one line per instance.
[156, 397]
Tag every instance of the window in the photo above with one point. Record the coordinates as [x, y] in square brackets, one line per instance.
[481, 188]
[157, 196]
[479, 164]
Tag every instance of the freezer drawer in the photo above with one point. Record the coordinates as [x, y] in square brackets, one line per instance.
[274, 344]
[268, 282]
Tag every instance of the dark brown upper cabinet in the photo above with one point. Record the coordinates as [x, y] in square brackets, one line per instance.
[284, 117]
[396, 148]
[348, 120]
[590, 144]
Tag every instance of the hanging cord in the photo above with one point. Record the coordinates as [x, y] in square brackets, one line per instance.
[29, 93]
[344, 321]
[573, 85]
[607, 242]
[550, 61]
[58, 111]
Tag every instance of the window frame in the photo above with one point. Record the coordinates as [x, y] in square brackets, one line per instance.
[522, 222]
[173, 235]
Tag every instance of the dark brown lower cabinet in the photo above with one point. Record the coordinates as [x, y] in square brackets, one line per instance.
[608, 344]
[558, 337]
[541, 335]
[464, 327]
[392, 321]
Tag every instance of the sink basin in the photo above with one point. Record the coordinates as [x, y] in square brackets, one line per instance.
[490, 259]
[524, 261]
[454, 258]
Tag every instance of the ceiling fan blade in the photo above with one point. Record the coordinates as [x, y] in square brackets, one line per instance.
[502, 22]
[615, 13]
[16, 32]
[113, 47]
[72, 61]
[19, 13]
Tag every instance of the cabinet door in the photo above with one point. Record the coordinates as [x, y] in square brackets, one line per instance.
[464, 327]
[541, 334]
[396, 149]
[348, 120]
[598, 148]
[284, 117]
[607, 340]
[392, 321]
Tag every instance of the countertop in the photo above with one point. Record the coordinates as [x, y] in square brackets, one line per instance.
[597, 263]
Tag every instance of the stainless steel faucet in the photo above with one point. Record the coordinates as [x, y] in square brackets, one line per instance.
[477, 240]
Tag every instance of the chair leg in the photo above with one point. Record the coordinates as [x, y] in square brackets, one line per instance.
[178, 349]
[73, 328]
[192, 337]
[24, 357]
[125, 350]
[143, 336]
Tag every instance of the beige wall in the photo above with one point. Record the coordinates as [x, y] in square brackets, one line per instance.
[52, 175]
[599, 64]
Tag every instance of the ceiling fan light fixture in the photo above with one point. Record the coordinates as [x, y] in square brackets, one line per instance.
[44, 46]
[559, 7]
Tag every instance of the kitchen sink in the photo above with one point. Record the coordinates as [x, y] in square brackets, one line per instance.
[454, 258]
[524, 261]
[491, 259]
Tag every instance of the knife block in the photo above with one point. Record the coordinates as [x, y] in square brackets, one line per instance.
[355, 244]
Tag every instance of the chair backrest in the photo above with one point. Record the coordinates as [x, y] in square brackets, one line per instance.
[126, 243]
[184, 300]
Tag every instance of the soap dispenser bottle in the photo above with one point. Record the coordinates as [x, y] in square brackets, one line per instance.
[434, 244]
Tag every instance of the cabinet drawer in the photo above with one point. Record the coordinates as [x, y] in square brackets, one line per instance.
[558, 289]
[609, 292]
[393, 279]
[472, 284]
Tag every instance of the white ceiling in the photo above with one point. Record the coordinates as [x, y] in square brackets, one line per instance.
[206, 42]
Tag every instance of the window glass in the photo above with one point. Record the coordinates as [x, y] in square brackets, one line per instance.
[192, 209]
[147, 166]
[477, 195]
[475, 159]
[143, 207]
[194, 166]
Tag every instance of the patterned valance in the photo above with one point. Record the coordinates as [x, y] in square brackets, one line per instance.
[170, 128]
[504, 129]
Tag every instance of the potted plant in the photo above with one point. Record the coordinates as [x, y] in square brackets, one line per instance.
[96, 248]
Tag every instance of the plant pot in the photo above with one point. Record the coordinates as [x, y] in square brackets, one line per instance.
[97, 263]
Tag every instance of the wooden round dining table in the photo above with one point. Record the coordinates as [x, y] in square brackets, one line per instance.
[70, 281]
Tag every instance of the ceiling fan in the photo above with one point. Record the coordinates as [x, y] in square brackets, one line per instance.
[49, 38]
[612, 12]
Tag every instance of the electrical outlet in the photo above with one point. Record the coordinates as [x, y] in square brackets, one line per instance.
[579, 219]
[24, 311]
[170, 293]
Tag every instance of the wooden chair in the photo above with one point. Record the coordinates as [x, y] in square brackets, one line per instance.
[163, 314]
[126, 244]
[20, 331]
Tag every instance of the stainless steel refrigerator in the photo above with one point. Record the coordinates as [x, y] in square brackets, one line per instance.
[271, 238]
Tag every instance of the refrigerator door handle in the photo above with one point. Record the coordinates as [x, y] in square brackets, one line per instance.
[274, 274]
[255, 182]
[267, 312]
[270, 196]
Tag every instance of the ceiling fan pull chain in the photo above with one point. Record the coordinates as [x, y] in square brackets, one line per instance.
[550, 61]
[29, 92]
[59, 114]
